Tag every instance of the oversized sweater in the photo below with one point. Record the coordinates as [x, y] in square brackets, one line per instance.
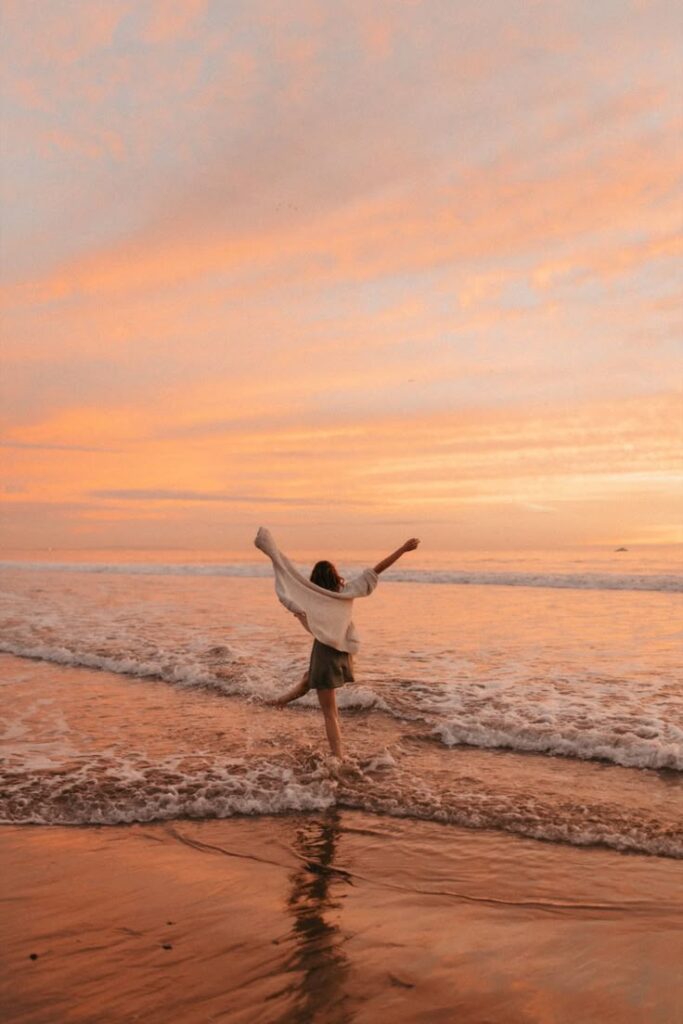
[328, 613]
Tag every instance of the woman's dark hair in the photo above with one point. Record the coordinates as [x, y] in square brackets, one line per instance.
[325, 575]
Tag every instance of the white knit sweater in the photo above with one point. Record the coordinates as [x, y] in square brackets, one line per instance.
[328, 614]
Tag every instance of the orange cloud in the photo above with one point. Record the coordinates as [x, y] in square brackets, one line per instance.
[497, 212]
[418, 246]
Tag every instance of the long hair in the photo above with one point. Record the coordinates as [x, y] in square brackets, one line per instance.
[325, 575]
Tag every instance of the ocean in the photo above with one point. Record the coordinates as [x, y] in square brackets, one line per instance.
[532, 693]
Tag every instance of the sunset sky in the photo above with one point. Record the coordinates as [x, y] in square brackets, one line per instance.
[352, 270]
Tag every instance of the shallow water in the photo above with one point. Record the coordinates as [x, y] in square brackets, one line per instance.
[551, 712]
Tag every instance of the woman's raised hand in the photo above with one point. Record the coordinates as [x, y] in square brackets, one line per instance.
[409, 545]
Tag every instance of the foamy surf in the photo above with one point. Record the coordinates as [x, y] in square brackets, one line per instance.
[671, 583]
[512, 720]
[233, 677]
[228, 680]
[631, 748]
[106, 790]
[140, 698]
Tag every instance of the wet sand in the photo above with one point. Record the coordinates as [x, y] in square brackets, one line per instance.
[335, 917]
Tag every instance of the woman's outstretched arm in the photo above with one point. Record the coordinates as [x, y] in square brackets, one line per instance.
[409, 545]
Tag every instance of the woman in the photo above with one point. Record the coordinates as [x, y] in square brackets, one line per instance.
[323, 607]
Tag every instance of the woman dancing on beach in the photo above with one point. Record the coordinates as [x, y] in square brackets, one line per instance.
[323, 606]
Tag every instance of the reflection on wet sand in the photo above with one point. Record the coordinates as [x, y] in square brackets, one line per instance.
[318, 961]
[245, 920]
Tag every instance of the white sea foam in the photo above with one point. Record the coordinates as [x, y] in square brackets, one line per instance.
[584, 677]
[526, 720]
[575, 824]
[108, 791]
[669, 583]
[239, 569]
[632, 748]
[188, 674]
[603, 722]
[104, 790]
[232, 678]
[358, 698]
[665, 582]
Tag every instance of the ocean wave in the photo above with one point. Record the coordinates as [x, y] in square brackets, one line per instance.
[668, 583]
[524, 720]
[594, 719]
[145, 568]
[635, 746]
[664, 582]
[181, 673]
[104, 791]
[234, 677]
[109, 791]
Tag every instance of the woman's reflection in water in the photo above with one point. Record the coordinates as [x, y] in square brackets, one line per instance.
[318, 957]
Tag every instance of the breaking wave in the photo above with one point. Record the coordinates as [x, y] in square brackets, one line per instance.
[664, 582]
[109, 791]
[476, 715]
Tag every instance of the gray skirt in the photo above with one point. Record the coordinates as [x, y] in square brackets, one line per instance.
[328, 667]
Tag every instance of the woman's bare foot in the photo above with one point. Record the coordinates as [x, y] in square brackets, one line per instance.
[343, 768]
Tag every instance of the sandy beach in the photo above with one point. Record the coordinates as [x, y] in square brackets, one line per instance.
[336, 917]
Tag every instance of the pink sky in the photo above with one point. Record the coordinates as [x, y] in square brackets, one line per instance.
[346, 269]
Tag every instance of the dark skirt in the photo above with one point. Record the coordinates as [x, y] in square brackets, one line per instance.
[328, 667]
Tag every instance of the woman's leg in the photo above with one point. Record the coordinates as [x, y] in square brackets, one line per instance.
[297, 691]
[328, 702]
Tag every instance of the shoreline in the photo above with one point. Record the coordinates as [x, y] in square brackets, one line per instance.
[100, 748]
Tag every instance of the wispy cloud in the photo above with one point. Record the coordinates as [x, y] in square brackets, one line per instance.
[308, 255]
[224, 498]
